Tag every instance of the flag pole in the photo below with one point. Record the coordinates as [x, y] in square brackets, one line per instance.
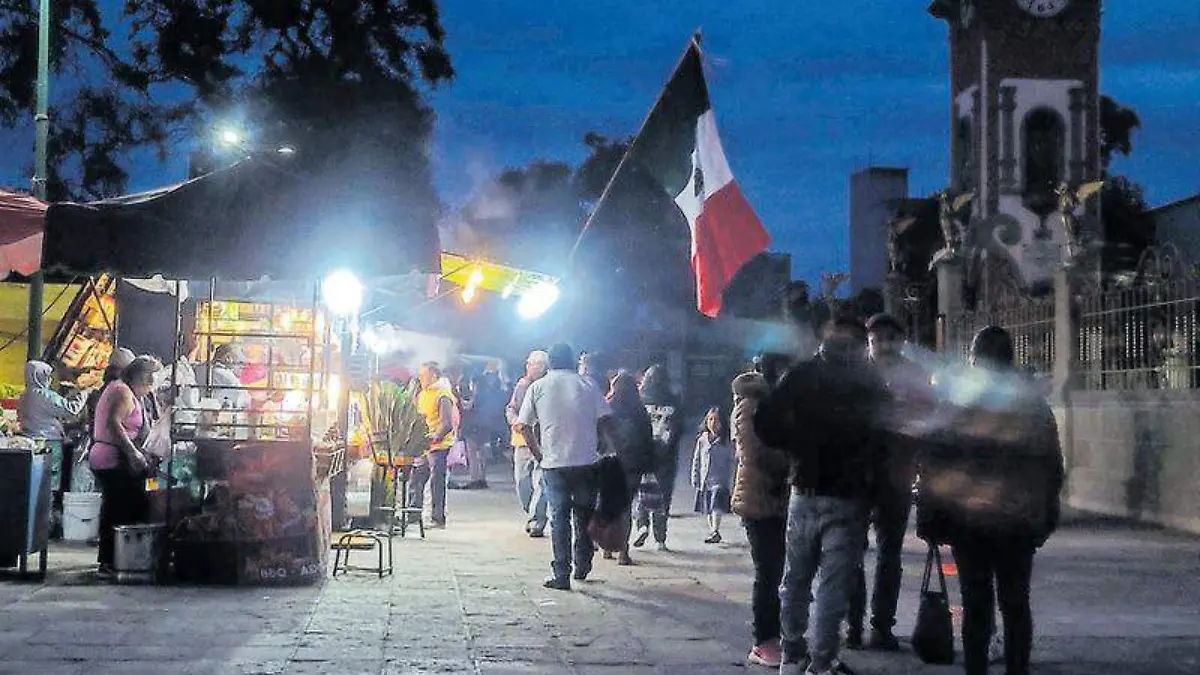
[693, 42]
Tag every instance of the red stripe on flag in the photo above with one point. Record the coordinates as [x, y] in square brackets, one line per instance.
[726, 236]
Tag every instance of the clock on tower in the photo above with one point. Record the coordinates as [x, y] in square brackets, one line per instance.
[1025, 111]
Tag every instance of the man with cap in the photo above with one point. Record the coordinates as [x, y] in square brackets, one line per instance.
[891, 501]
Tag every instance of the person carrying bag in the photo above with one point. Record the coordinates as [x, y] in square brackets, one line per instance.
[933, 637]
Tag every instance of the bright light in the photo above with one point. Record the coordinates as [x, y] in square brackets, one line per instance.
[343, 293]
[508, 290]
[286, 150]
[374, 341]
[230, 137]
[473, 282]
[537, 300]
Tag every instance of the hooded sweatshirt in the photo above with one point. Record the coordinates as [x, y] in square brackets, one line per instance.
[42, 410]
[760, 489]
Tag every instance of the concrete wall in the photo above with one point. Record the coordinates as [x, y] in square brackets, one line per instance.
[875, 194]
[1135, 454]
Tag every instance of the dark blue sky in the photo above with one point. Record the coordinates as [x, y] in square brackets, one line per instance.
[805, 94]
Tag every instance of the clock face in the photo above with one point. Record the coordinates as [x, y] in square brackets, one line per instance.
[1043, 8]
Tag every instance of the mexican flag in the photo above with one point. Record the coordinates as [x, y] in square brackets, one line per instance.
[680, 147]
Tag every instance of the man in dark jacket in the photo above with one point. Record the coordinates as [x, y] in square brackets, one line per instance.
[826, 413]
[911, 402]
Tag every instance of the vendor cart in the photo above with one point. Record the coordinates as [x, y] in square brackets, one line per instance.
[250, 460]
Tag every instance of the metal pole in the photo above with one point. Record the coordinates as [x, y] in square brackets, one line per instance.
[41, 121]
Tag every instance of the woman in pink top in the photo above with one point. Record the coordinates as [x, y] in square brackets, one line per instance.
[119, 428]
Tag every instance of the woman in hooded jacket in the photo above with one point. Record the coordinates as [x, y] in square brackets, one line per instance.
[990, 488]
[760, 497]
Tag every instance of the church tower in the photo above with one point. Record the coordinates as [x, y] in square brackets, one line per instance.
[1024, 81]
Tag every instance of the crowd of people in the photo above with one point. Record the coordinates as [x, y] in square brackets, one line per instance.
[817, 452]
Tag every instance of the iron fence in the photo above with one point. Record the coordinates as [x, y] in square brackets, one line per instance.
[1142, 337]
[1029, 322]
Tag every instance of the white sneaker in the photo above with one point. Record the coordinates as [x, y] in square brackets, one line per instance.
[996, 648]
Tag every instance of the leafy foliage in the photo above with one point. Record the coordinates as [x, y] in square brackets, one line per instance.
[1128, 224]
[1117, 124]
[342, 79]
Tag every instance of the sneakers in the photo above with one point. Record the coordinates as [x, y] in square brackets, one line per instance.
[768, 654]
[643, 535]
[623, 559]
[884, 641]
[557, 583]
[662, 547]
[714, 538]
[581, 575]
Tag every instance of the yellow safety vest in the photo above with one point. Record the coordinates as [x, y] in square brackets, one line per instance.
[429, 405]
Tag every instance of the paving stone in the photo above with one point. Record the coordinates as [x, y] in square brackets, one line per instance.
[20, 667]
[468, 600]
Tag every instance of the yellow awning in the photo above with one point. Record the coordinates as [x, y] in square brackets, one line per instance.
[491, 276]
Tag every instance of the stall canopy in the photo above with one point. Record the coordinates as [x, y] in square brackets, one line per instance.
[492, 276]
[256, 218]
[21, 218]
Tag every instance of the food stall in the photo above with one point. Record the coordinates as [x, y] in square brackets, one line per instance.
[250, 458]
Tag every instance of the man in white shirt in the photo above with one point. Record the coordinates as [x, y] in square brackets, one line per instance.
[527, 471]
[571, 413]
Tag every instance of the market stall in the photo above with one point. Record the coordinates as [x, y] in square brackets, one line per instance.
[249, 457]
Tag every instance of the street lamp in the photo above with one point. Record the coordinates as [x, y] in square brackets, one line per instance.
[230, 137]
[343, 293]
[41, 120]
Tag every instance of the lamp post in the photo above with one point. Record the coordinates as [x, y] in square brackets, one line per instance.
[41, 121]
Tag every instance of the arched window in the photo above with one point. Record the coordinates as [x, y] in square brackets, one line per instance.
[1044, 151]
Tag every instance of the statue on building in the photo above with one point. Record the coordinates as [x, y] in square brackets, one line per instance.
[1069, 201]
[950, 210]
[830, 283]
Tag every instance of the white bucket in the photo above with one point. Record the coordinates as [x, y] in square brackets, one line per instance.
[81, 516]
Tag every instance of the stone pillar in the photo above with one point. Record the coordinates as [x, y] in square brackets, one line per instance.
[1066, 360]
[950, 296]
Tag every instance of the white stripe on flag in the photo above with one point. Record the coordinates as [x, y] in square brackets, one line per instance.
[709, 168]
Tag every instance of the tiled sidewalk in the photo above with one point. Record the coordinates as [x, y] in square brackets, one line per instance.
[469, 600]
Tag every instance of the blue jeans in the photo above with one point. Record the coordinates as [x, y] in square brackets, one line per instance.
[527, 473]
[431, 473]
[824, 542]
[571, 498]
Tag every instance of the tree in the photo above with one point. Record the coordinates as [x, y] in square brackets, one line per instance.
[526, 216]
[108, 112]
[1117, 124]
[1128, 225]
[342, 80]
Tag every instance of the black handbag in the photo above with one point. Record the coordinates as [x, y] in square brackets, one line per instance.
[933, 637]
